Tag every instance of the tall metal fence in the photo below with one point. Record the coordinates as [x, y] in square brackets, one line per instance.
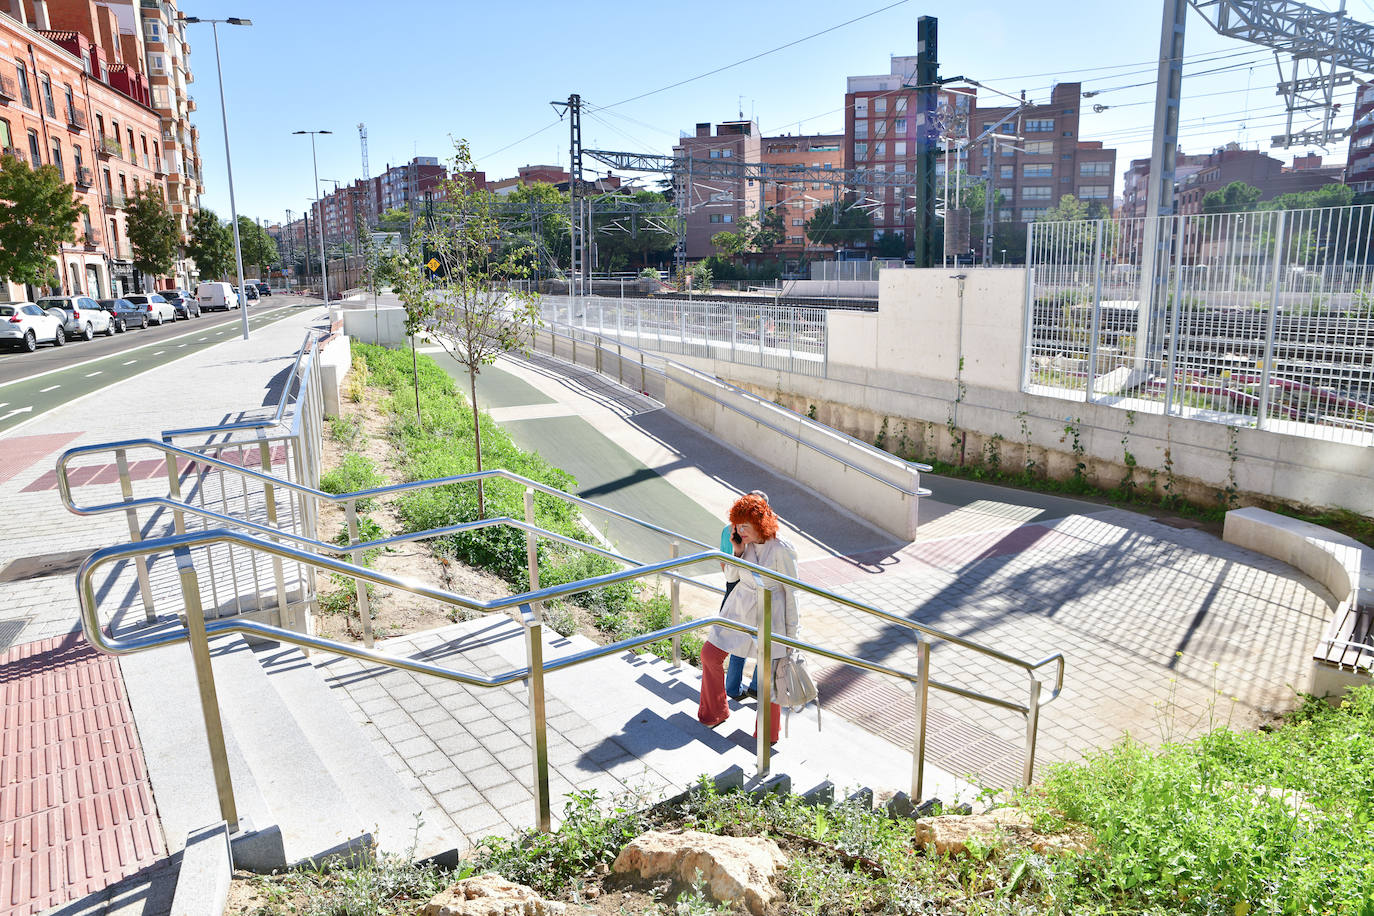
[853, 270]
[1261, 319]
[790, 338]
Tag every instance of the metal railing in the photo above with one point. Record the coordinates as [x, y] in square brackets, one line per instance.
[1261, 319]
[196, 631]
[750, 332]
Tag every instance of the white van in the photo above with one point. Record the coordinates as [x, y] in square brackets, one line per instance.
[216, 296]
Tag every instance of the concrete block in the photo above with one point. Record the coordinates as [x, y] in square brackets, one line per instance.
[206, 870]
[820, 795]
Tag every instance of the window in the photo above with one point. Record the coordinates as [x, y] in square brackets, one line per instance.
[1094, 191]
[899, 167]
[100, 127]
[861, 130]
[1094, 169]
[6, 140]
[899, 126]
[1037, 170]
[35, 151]
[901, 104]
[1004, 214]
[143, 138]
[860, 151]
[1007, 149]
[717, 217]
[23, 75]
[1039, 125]
[46, 84]
[798, 221]
[1036, 192]
[1039, 147]
[1031, 214]
[879, 150]
[1067, 111]
[899, 148]
[129, 150]
[729, 217]
[157, 63]
[153, 30]
[794, 240]
[57, 158]
[880, 129]
[1007, 172]
[160, 98]
[71, 101]
[861, 107]
[880, 105]
[722, 153]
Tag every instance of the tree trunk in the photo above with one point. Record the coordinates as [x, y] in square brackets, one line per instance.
[477, 438]
[415, 371]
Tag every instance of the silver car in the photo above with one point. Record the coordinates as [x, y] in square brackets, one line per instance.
[81, 316]
[159, 309]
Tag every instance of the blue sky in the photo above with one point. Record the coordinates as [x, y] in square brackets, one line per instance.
[421, 73]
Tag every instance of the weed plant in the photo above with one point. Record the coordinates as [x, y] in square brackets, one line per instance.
[355, 472]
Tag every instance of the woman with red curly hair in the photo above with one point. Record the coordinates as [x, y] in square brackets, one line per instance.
[756, 539]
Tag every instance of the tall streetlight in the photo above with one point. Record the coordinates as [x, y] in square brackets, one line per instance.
[224, 118]
[324, 262]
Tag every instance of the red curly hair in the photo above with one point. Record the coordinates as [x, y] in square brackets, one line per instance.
[755, 511]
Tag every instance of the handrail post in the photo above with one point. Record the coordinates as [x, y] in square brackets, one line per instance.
[364, 607]
[539, 735]
[126, 487]
[532, 552]
[918, 749]
[764, 724]
[1032, 730]
[269, 493]
[174, 491]
[205, 684]
[673, 589]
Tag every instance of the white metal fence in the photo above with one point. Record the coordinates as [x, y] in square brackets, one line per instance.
[790, 338]
[1259, 318]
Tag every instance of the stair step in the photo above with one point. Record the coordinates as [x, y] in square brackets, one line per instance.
[398, 819]
[314, 815]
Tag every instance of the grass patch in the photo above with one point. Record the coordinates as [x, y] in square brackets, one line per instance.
[355, 472]
[438, 442]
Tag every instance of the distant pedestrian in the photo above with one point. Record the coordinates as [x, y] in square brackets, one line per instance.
[734, 669]
[757, 527]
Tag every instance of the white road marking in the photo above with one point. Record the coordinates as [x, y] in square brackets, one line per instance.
[92, 374]
[16, 411]
[160, 352]
[50, 388]
[130, 362]
[179, 346]
[201, 339]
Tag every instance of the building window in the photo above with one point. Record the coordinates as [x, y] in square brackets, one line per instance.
[899, 127]
[160, 98]
[722, 153]
[794, 240]
[880, 105]
[1039, 147]
[860, 151]
[1007, 172]
[880, 129]
[129, 150]
[23, 75]
[798, 221]
[861, 130]
[1036, 192]
[1067, 111]
[1039, 125]
[899, 148]
[1031, 214]
[1094, 169]
[861, 107]
[901, 104]
[71, 101]
[46, 84]
[1094, 192]
[1004, 214]
[6, 139]
[57, 158]
[1037, 170]
[35, 151]
[879, 150]
[153, 29]
[157, 63]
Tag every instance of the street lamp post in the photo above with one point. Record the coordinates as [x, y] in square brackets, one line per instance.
[1004, 257]
[229, 166]
[324, 261]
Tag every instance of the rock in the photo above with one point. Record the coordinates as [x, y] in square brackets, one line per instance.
[949, 833]
[733, 869]
[490, 895]
[900, 805]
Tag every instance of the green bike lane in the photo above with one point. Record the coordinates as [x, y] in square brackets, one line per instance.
[26, 399]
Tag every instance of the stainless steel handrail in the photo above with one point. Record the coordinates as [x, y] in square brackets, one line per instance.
[308, 348]
[823, 430]
[1030, 710]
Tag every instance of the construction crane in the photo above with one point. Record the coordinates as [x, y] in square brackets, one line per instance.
[362, 139]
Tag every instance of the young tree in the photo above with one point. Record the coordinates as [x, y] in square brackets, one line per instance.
[38, 212]
[854, 226]
[1235, 197]
[211, 244]
[258, 248]
[152, 232]
[464, 301]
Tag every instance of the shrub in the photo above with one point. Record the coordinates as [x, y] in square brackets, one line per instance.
[356, 472]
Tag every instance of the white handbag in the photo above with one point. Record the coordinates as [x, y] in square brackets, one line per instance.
[793, 688]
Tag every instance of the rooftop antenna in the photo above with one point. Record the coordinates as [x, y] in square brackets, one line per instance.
[741, 108]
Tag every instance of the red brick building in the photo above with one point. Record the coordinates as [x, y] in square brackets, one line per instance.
[1359, 168]
[796, 202]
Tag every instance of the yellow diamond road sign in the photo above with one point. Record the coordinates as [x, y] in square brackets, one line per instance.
[433, 264]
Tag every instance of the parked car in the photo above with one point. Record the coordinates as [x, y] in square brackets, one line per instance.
[25, 325]
[124, 314]
[183, 306]
[159, 310]
[81, 318]
[252, 293]
[216, 295]
[264, 289]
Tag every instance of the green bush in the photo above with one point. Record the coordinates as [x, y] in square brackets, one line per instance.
[356, 472]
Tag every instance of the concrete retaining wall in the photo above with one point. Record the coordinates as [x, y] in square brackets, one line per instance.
[385, 325]
[902, 365]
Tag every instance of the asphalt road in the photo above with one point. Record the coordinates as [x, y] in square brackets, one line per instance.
[32, 383]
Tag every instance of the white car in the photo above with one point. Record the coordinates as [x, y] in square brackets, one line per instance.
[159, 310]
[81, 315]
[25, 325]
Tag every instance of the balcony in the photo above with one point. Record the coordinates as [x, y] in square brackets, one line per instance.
[76, 120]
[107, 147]
[83, 178]
[89, 241]
[190, 103]
[7, 91]
[114, 200]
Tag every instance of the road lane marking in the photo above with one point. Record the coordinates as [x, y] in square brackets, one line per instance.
[92, 374]
[201, 339]
[179, 346]
[130, 362]
[50, 388]
[160, 352]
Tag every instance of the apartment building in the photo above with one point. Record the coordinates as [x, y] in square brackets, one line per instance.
[343, 210]
[1049, 161]
[1360, 162]
[398, 185]
[61, 104]
[712, 204]
[881, 131]
[796, 202]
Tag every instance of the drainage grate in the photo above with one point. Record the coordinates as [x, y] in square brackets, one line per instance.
[48, 564]
[10, 630]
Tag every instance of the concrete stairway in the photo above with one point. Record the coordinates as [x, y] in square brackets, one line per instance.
[307, 782]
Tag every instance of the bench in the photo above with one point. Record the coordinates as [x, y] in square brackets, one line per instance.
[1344, 656]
